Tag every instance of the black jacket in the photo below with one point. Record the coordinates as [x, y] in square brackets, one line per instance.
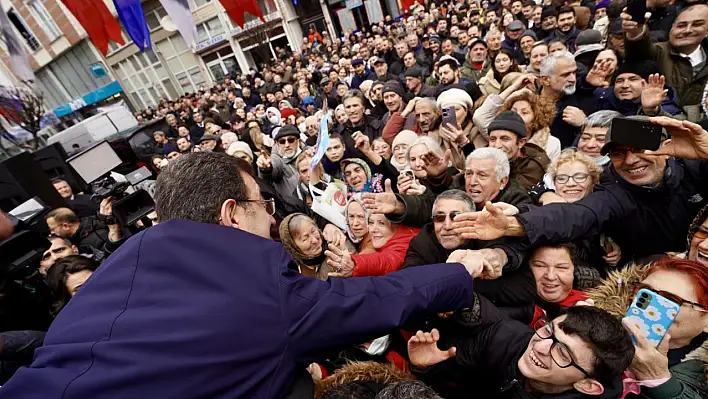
[489, 355]
[195, 133]
[93, 233]
[583, 99]
[419, 207]
[515, 289]
[643, 221]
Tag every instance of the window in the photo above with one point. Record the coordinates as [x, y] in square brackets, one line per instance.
[44, 20]
[145, 78]
[24, 30]
[153, 18]
[198, 3]
[182, 62]
[208, 29]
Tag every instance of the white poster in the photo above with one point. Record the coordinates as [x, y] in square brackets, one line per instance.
[346, 19]
[373, 11]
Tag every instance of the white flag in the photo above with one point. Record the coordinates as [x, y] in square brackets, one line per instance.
[18, 57]
[181, 16]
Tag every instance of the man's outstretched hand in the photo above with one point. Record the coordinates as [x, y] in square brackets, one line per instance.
[489, 224]
[423, 349]
[474, 261]
[688, 140]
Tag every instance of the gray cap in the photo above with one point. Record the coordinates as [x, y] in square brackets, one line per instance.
[515, 25]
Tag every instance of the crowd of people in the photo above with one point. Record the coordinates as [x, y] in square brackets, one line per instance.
[477, 126]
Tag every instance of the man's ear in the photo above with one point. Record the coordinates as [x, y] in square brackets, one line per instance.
[74, 250]
[589, 386]
[522, 141]
[227, 215]
[504, 182]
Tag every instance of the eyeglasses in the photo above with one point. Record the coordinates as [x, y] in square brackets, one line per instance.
[440, 217]
[287, 140]
[578, 178]
[672, 297]
[268, 204]
[561, 355]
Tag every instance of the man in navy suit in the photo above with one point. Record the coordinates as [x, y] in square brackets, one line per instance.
[205, 305]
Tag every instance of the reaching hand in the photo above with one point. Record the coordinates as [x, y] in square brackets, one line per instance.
[497, 259]
[423, 349]
[382, 203]
[507, 209]
[361, 142]
[688, 140]
[475, 263]
[410, 107]
[489, 224]
[650, 360]
[263, 160]
[434, 165]
[633, 29]
[599, 74]
[341, 261]
[106, 207]
[334, 236]
[574, 116]
[654, 93]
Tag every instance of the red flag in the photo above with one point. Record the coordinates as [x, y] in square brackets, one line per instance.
[236, 8]
[98, 21]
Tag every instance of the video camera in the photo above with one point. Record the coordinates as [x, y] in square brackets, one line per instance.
[130, 204]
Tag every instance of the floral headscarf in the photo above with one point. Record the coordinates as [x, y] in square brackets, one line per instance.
[374, 183]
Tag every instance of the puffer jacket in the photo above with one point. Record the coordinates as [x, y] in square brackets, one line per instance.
[689, 377]
[677, 70]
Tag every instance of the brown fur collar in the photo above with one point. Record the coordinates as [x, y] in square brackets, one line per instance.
[362, 371]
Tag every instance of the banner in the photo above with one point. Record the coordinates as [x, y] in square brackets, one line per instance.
[322, 141]
[97, 20]
[18, 57]
[236, 9]
[132, 16]
[181, 16]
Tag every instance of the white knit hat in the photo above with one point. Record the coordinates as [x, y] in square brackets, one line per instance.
[239, 146]
[451, 97]
[404, 137]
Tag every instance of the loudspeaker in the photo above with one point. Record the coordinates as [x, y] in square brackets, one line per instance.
[22, 178]
[52, 160]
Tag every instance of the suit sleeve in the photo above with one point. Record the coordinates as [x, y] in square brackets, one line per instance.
[338, 313]
[555, 223]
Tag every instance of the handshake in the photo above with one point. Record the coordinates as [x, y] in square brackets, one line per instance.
[482, 263]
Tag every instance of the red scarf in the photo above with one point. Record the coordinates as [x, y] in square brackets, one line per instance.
[477, 65]
[574, 296]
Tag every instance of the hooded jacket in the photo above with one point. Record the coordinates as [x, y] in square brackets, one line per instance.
[197, 310]
[689, 377]
[606, 99]
[642, 220]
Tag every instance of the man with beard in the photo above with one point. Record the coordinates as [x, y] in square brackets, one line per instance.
[477, 63]
[449, 75]
[279, 168]
[397, 66]
[558, 85]
[566, 30]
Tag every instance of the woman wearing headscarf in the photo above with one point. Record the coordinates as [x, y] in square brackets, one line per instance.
[461, 140]
[399, 148]
[357, 217]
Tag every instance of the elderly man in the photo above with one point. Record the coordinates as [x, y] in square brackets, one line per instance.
[528, 161]
[558, 82]
[682, 60]
[486, 179]
[261, 322]
[438, 239]
[477, 63]
[279, 168]
[394, 99]
[426, 114]
[641, 204]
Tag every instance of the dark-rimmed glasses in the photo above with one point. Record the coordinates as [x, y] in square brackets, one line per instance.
[672, 297]
[560, 353]
[440, 217]
[268, 204]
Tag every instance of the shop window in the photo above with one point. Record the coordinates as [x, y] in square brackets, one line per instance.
[24, 30]
[44, 20]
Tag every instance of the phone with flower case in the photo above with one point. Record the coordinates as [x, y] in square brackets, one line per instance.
[652, 314]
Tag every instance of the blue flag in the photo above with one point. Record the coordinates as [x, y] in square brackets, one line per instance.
[130, 13]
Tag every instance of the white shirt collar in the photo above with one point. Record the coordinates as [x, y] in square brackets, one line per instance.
[696, 57]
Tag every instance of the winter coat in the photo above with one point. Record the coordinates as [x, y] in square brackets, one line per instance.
[183, 301]
[512, 292]
[607, 100]
[567, 38]
[470, 72]
[419, 208]
[689, 376]
[489, 84]
[488, 357]
[357, 79]
[677, 70]
[584, 99]
[282, 173]
[530, 166]
[642, 220]
[388, 258]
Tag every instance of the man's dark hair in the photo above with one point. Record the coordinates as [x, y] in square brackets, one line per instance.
[565, 10]
[60, 271]
[408, 390]
[194, 186]
[608, 339]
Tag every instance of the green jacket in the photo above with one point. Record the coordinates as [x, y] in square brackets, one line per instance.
[677, 70]
[470, 72]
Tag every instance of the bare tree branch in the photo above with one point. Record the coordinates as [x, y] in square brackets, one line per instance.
[23, 106]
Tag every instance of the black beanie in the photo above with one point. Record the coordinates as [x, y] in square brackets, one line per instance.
[395, 87]
[548, 12]
[285, 131]
[508, 120]
[641, 68]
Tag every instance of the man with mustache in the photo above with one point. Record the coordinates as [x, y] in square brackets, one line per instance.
[682, 60]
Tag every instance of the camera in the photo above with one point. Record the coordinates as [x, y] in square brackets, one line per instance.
[107, 187]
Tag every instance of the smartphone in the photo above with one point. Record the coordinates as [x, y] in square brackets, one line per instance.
[652, 314]
[448, 116]
[408, 173]
[637, 10]
[636, 133]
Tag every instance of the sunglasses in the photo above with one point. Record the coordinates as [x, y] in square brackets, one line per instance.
[440, 217]
[672, 297]
[287, 140]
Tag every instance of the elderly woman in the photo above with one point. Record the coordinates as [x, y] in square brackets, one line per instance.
[306, 244]
[357, 217]
[399, 148]
[682, 372]
[594, 134]
[390, 242]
